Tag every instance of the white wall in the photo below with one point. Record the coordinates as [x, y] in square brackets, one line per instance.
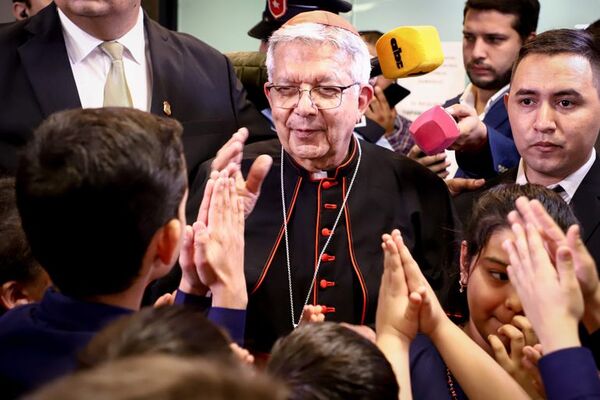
[224, 23]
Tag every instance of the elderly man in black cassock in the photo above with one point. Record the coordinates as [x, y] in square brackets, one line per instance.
[313, 235]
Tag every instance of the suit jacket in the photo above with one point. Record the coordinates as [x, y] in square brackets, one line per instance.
[585, 204]
[500, 153]
[197, 81]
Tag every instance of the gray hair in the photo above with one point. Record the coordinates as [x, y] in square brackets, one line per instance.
[349, 44]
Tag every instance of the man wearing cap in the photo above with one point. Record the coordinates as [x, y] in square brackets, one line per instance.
[313, 235]
[278, 12]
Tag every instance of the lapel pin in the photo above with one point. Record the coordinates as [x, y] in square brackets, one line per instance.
[167, 108]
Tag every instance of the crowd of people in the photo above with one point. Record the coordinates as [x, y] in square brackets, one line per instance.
[161, 236]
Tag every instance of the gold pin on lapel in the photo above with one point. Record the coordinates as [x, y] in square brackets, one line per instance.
[167, 108]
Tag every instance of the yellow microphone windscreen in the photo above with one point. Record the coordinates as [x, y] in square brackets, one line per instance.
[409, 51]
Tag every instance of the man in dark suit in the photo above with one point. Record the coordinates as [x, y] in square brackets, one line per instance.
[553, 107]
[493, 32]
[54, 62]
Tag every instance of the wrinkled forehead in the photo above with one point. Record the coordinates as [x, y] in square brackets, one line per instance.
[318, 60]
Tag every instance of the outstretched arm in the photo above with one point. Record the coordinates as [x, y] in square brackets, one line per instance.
[477, 373]
[552, 298]
[533, 212]
[397, 319]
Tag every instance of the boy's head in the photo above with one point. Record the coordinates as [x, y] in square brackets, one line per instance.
[101, 194]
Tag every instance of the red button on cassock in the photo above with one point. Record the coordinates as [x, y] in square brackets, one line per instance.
[327, 257]
[330, 206]
[325, 284]
[325, 232]
[328, 184]
[325, 309]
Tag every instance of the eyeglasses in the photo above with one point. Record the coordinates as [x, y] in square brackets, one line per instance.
[321, 97]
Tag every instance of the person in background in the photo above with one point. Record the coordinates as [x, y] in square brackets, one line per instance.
[553, 113]
[278, 12]
[493, 33]
[110, 53]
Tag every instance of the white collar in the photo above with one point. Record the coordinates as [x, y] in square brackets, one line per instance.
[468, 97]
[570, 184]
[80, 44]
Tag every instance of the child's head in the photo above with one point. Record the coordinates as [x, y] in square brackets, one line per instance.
[329, 361]
[492, 301]
[94, 188]
[176, 330]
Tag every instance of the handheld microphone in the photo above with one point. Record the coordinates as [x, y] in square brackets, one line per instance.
[434, 130]
[409, 51]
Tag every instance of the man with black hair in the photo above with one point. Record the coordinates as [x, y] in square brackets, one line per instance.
[493, 33]
[553, 106]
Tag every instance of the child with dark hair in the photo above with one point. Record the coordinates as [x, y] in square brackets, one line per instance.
[22, 279]
[102, 193]
[161, 377]
[175, 330]
[495, 320]
[329, 361]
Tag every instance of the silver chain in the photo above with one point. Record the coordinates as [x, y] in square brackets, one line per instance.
[287, 245]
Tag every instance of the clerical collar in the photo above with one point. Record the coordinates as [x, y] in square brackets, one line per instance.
[569, 184]
[344, 169]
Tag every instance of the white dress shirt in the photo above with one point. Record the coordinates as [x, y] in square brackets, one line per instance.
[90, 65]
[468, 97]
[569, 184]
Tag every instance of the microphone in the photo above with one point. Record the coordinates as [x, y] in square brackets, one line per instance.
[409, 51]
[434, 130]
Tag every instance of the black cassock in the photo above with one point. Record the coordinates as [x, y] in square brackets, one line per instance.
[390, 191]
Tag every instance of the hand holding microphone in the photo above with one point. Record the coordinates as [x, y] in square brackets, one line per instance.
[412, 51]
[473, 132]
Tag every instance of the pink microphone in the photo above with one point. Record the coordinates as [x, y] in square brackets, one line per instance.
[434, 130]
